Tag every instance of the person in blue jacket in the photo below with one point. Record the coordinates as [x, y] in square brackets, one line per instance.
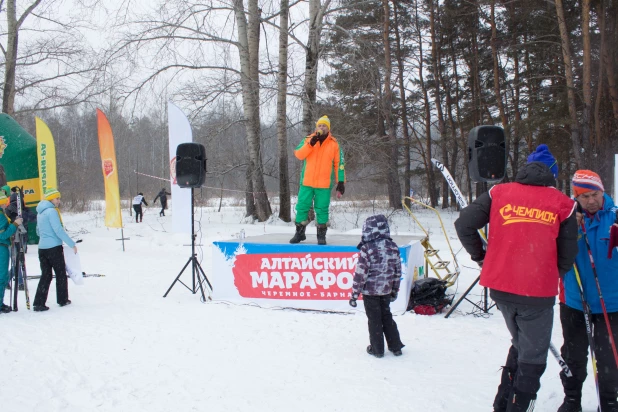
[7, 230]
[599, 214]
[51, 235]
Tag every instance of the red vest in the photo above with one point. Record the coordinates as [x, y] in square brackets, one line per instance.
[524, 222]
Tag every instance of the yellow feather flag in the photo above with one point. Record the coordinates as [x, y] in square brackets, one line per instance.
[113, 218]
[46, 155]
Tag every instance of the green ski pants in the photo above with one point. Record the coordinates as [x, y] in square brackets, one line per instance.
[321, 202]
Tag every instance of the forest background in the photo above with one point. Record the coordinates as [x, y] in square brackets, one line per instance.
[401, 81]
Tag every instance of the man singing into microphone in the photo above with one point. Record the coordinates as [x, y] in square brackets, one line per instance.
[323, 165]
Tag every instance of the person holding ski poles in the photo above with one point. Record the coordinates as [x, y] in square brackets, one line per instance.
[599, 215]
[163, 194]
[137, 206]
[532, 242]
[6, 231]
[51, 255]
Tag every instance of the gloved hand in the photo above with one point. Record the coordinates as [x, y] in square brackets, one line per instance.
[394, 294]
[314, 139]
[480, 263]
[340, 188]
[353, 299]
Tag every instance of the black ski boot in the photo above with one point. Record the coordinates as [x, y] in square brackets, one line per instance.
[68, 302]
[504, 389]
[300, 233]
[572, 393]
[5, 308]
[609, 404]
[506, 381]
[322, 234]
[40, 308]
[371, 352]
[570, 405]
[521, 401]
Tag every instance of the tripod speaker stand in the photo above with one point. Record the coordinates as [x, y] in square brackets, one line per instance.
[198, 276]
[483, 306]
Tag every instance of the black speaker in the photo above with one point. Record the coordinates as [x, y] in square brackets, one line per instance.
[190, 164]
[487, 154]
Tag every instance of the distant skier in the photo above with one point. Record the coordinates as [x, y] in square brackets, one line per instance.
[163, 194]
[137, 206]
[532, 242]
[377, 277]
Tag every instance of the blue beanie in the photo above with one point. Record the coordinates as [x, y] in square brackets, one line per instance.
[543, 155]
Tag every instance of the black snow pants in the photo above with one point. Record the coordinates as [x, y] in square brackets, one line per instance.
[381, 324]
[138, 212]
[575, 352]
[52, 259]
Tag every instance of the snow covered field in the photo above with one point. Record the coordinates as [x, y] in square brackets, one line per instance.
[122, 347]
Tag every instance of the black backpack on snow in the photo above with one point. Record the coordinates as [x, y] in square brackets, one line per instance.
[428, 296]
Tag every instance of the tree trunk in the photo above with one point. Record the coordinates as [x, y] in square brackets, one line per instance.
[248, 47]
[587, 76]
[394, 189]
[438, 100]
[431, 180]
[568, 72]
[285, 209]
[316, 14]
[8, 97]
[404, 108]
[608, 59]
[496, 72]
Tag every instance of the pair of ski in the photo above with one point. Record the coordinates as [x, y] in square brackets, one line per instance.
[461, 200]
[18, 257]
[84, 275]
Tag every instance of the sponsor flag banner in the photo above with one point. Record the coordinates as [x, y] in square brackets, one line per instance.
[266, 271]
[113, 217]
[179, 132]
[46, 156]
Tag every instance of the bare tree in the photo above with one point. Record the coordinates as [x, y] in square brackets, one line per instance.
[568, 71]
[316, 17]
[54, 68]
[248, 48]
[285, 212]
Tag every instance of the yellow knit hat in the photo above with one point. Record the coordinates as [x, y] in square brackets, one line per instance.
[323, 120]
[52, 193]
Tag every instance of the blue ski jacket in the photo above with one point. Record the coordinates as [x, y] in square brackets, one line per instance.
[49, 227]
[597, 227]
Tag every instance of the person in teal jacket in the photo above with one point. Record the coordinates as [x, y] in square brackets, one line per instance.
[599, 214]
[51, 256]
[7, 230]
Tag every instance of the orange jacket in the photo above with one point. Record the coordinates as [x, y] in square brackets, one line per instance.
[323, 164]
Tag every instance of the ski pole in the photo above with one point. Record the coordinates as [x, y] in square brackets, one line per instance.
[587, 317]
[596, 280]
[565, 368]
[21, 255]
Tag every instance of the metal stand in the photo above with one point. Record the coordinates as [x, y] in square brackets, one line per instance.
[483, 306]
[198, 275]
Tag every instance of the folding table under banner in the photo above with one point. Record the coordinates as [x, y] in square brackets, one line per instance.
[269, 271]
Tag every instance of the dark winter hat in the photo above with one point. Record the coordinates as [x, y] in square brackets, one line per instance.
[543, 155]
[141, 194]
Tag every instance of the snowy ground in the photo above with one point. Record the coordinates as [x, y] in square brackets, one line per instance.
[122, 347]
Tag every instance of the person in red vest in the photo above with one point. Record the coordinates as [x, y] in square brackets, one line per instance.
[532, 242]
